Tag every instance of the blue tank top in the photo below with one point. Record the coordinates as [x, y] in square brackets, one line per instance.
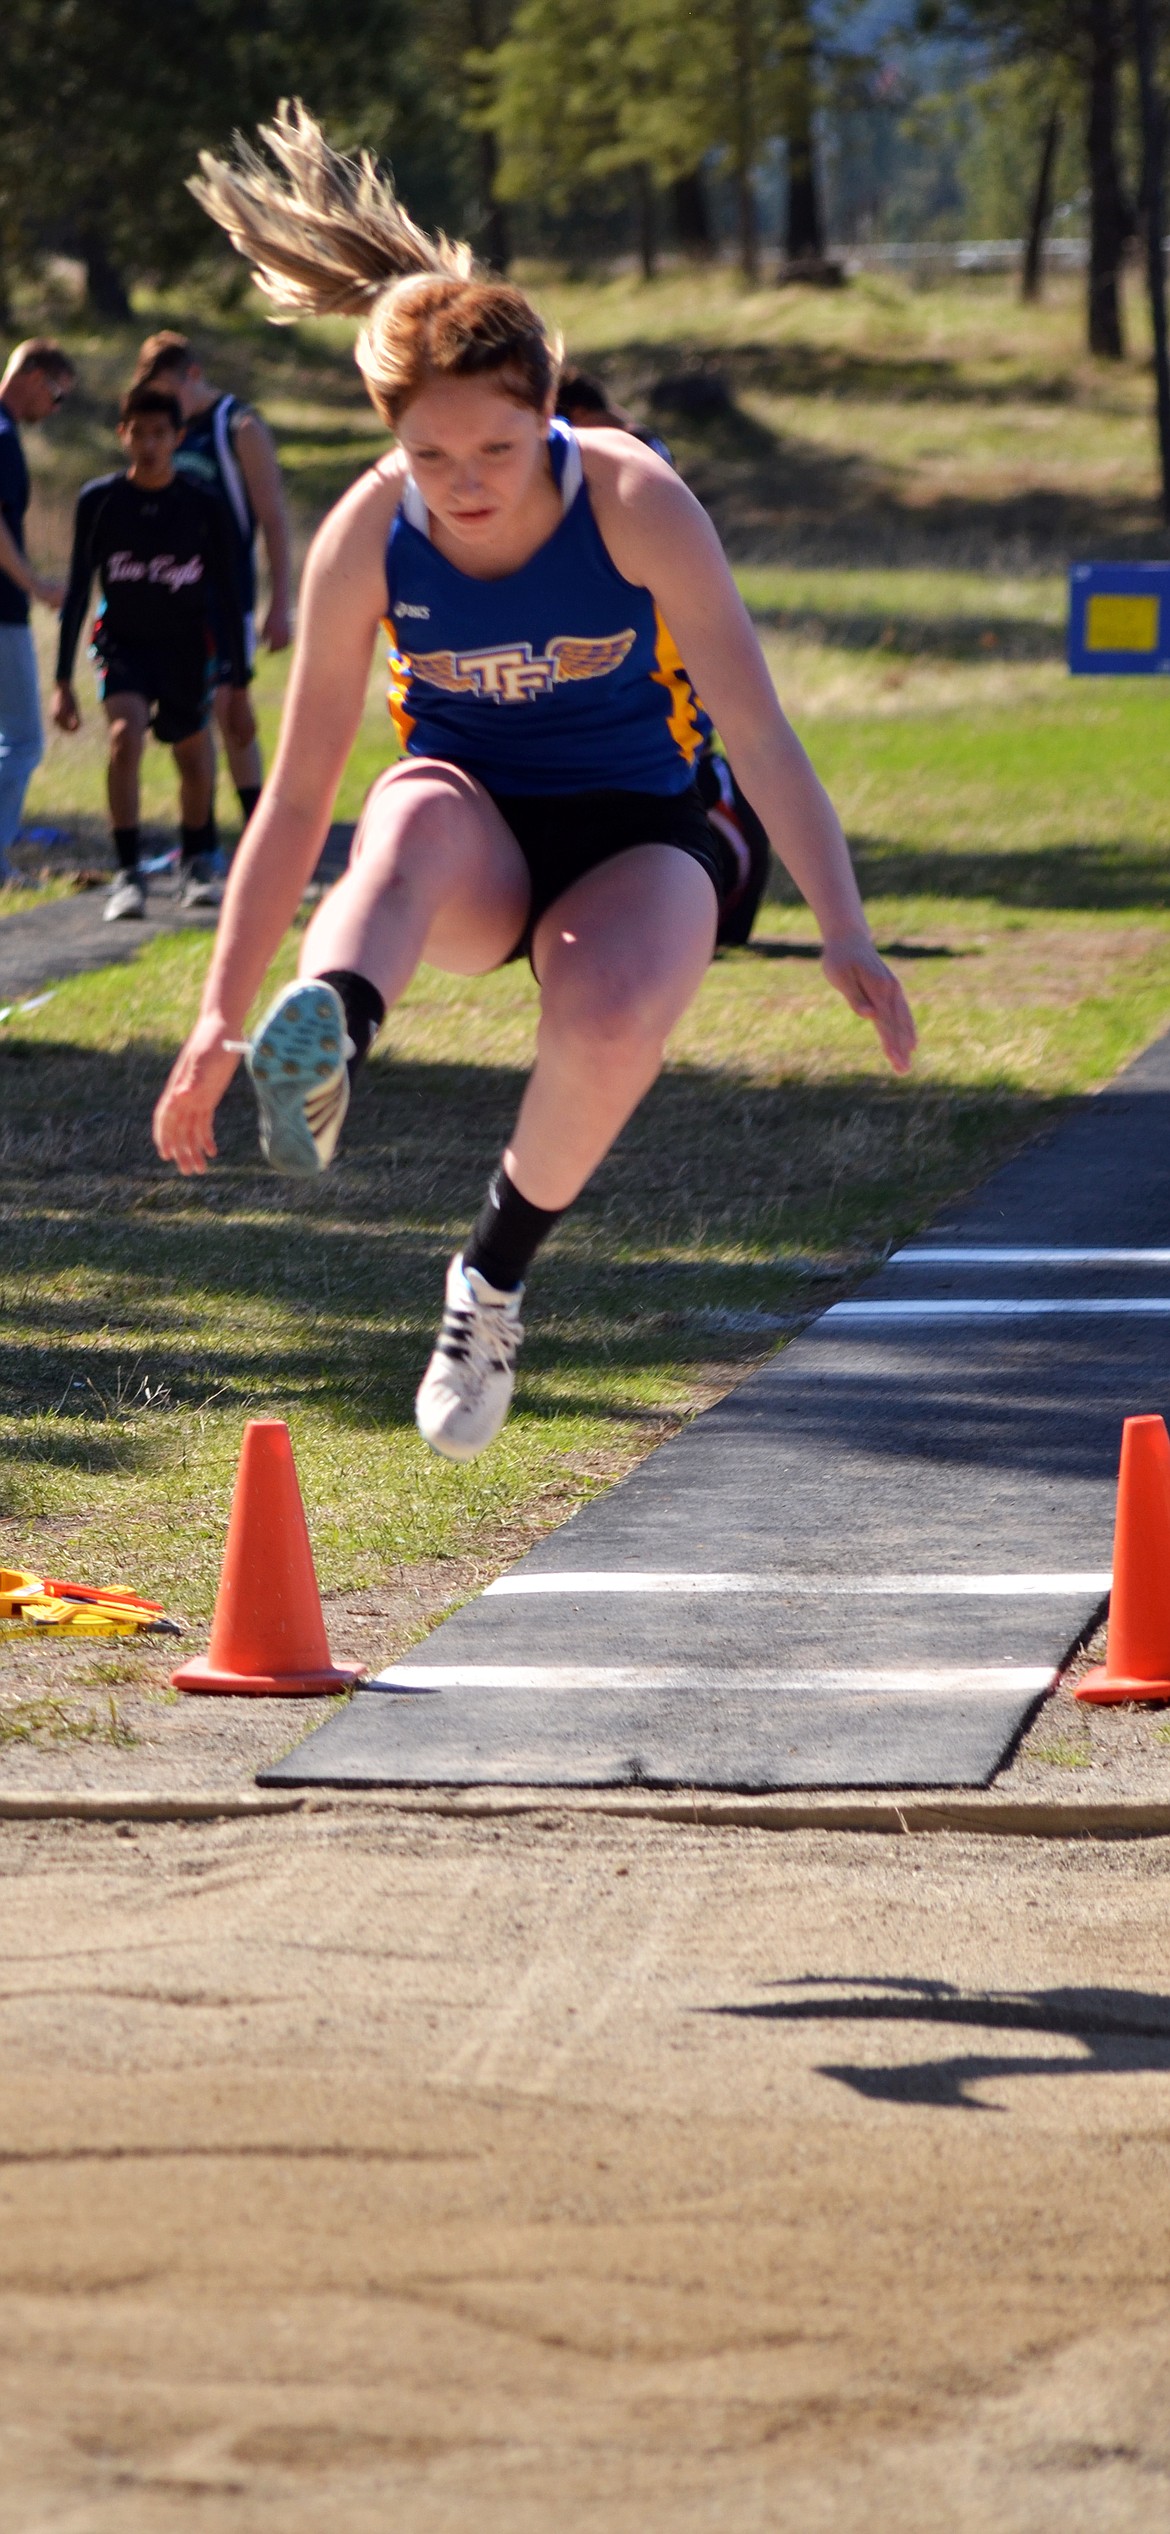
[559, 678]
[206, 457]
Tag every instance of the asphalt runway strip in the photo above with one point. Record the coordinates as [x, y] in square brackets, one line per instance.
[867, 1563]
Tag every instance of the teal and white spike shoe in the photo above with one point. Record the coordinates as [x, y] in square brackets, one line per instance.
[297, 1061]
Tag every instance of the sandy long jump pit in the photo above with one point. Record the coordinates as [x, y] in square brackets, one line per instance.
[371, 2169]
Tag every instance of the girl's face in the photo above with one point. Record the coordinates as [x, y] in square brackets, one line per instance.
[475, 455]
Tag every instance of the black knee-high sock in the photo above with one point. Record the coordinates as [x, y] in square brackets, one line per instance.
[248, 794]
[126, 843]
[508, 1232]
[365, 1010]
[197, 844]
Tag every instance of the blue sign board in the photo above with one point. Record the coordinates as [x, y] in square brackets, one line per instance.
[1119, 620]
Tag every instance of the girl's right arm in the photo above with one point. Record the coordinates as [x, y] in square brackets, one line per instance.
[343, 599]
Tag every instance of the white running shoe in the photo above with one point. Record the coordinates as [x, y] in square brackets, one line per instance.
[297, 1061]
[200, 883]
[466, 1390]
[126, 900]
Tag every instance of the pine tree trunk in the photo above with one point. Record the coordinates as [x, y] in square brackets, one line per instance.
[647, 242]
[745, 142]
[804, 230]
[104, 287]
[1153, 191]
[1032, 277]
[1110, 219]
[692, 221]
[495, 225]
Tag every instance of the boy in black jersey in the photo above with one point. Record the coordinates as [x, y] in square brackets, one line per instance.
[160, 549]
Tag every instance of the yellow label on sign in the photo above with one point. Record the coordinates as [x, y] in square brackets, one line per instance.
[1121, 624]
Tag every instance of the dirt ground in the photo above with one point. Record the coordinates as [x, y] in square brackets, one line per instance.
[367, 2170]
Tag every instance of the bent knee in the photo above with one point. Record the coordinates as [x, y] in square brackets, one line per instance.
[125, 739]
[613, 1019]
[411, 811]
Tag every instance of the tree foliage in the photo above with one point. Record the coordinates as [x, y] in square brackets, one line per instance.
[103, 110]
[643, 85]
[1089, 41]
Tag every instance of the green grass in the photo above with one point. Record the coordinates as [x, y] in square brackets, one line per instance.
[144, 1318]
[1011, 829]
[58, 1720]
[1064, 1755]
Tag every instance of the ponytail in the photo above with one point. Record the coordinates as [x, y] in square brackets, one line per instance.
[327, 240]
[327, 236]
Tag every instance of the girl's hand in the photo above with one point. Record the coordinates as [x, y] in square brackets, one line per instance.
[65, 712]
[183, 1120]
[873, 992]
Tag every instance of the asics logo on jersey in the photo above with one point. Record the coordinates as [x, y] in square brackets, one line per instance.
[512, 673]
[404, 608]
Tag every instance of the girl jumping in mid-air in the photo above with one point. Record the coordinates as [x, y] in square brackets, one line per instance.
[540, 598]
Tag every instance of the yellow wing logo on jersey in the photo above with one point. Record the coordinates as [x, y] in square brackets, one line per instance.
[513, 673]
[440, 668]
[576, 657]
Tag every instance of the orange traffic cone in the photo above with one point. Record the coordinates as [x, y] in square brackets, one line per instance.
[1137, 1654]
[268, 1635]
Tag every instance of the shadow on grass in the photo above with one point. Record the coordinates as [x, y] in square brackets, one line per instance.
[728, 1211]
[1073, 876]
[843, 373]
[1118, 2032]
[100, 1449]
[778, 496]
[909, 637]
[812, 950]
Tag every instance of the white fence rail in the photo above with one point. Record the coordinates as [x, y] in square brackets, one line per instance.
[970, 255]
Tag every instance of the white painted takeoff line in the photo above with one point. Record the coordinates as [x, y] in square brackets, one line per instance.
[900, 1587]
[1008, 1681]
[1158, 1305]
[1030, 1258]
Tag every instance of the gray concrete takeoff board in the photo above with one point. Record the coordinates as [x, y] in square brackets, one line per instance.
[862, 1567]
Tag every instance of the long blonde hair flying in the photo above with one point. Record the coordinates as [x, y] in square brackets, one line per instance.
[328, 236]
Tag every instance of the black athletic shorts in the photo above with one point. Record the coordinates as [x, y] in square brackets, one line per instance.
[564, 835]
[222, 672]
[177, 685]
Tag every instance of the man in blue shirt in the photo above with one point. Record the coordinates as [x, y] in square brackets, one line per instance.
[37, 379]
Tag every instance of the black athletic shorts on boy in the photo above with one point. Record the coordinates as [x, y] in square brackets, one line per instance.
[564, 835]
[175, 683]
[164, 565]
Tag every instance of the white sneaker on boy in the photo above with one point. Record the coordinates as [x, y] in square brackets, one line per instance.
[126, 899]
